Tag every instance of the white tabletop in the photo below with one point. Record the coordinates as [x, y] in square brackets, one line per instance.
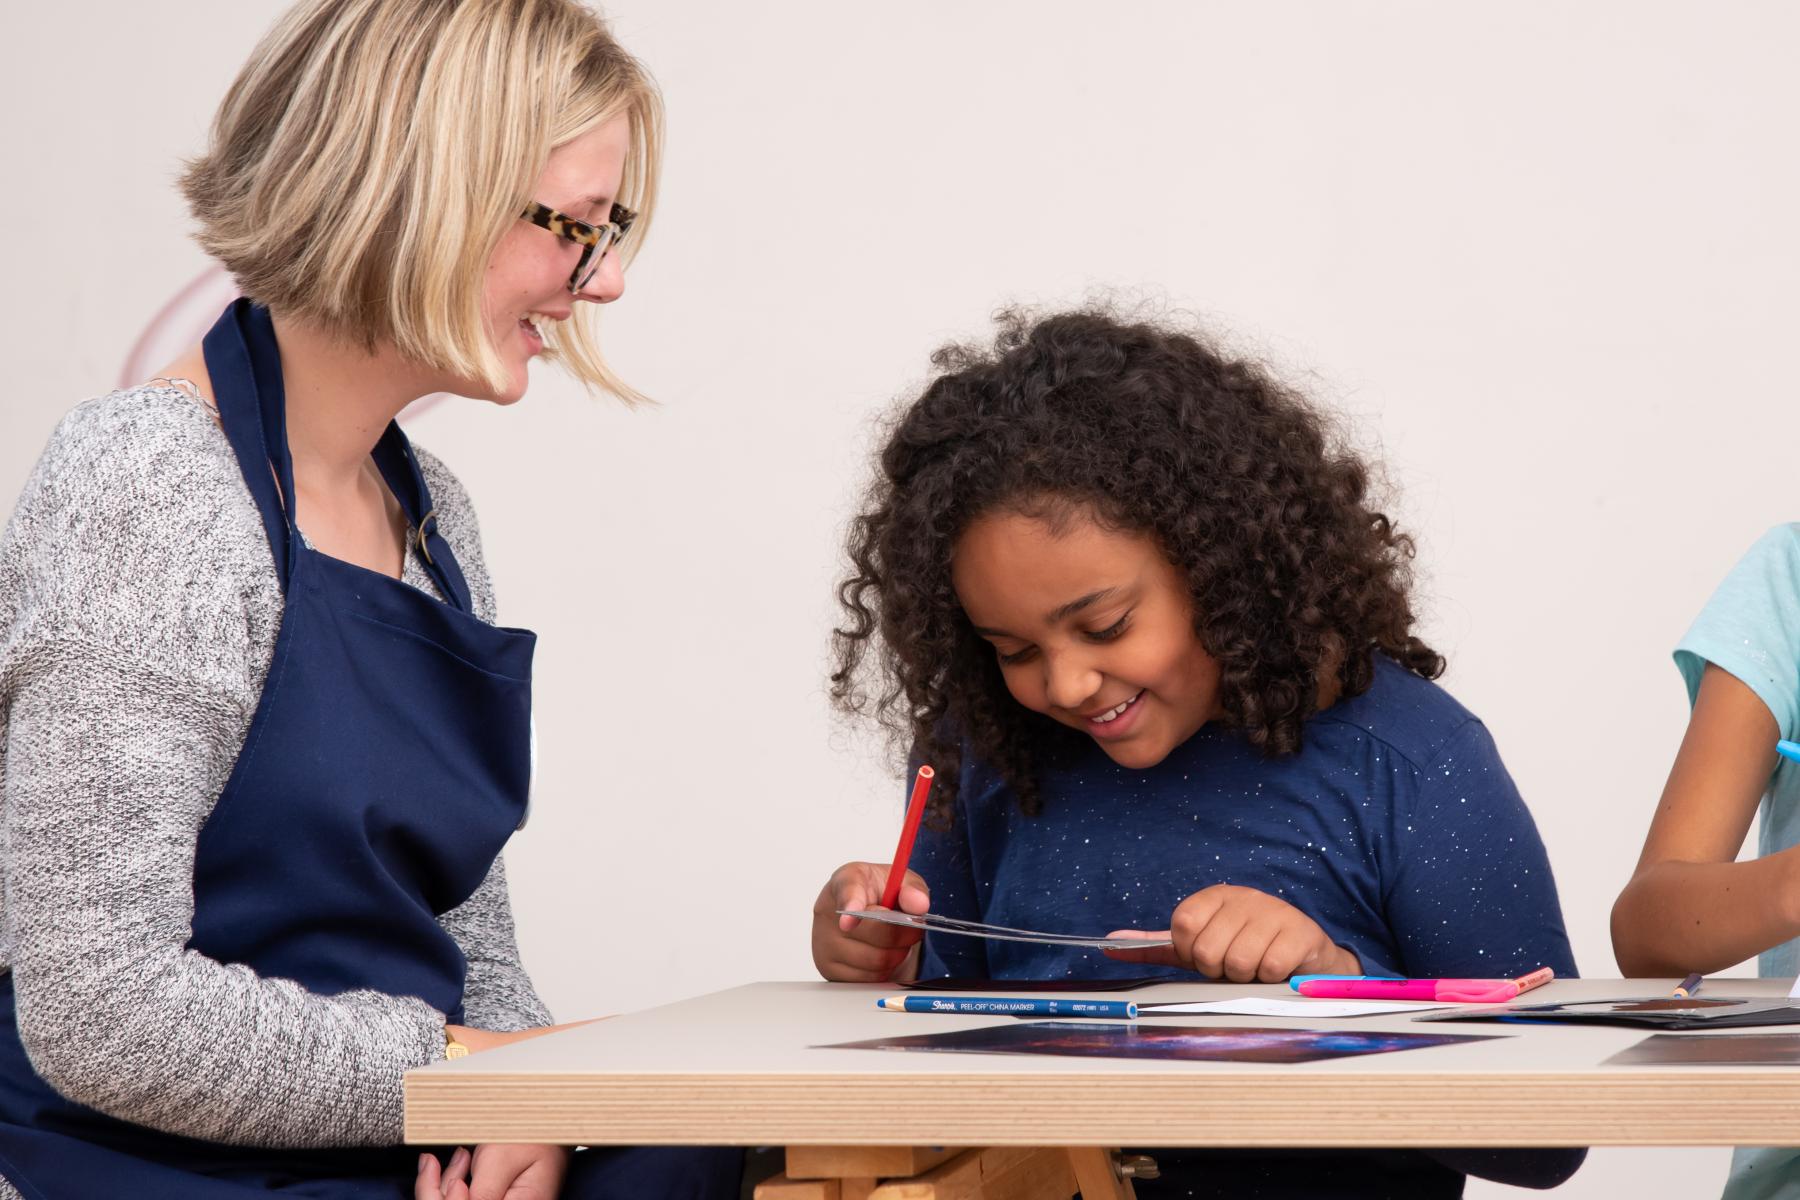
[746, 1067]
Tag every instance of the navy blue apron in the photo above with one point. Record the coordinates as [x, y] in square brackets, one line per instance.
[385, 768]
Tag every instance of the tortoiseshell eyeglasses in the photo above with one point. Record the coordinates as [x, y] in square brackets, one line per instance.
[594, 240]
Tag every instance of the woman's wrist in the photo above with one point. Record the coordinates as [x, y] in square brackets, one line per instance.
[472, 1040]
[478, 1040]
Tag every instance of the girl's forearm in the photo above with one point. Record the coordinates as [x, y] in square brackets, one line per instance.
[1676, 917]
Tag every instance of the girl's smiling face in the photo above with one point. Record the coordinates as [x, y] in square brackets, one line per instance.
[1093, 627]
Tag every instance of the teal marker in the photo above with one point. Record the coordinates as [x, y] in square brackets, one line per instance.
[1294, 981]
[1002, 1006]
[1789, 750]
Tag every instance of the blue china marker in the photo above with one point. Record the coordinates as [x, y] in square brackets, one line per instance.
[1788, 750]
[1003, 1006]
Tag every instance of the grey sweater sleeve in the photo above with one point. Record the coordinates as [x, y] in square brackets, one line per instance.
[497, 994]
[139, 607]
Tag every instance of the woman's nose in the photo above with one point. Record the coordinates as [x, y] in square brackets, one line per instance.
[607, 283]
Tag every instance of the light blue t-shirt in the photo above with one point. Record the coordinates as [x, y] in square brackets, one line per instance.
[1751, 628]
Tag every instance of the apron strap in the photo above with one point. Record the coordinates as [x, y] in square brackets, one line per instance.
[244, 361]
[244, 364]
[400, 467]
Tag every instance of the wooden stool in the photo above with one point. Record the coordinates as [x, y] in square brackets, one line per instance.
[916, 1173]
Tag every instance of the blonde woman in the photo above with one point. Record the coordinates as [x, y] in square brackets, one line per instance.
[260, 740]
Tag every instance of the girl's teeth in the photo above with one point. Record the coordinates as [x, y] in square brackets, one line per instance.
[1113, 714]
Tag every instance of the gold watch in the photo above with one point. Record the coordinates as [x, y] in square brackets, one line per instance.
[452, 1047]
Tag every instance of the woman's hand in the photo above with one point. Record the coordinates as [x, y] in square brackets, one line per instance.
[847, 950]
[1246, 936]
[496, 1172]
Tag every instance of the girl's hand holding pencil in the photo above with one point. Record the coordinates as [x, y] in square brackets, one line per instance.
[848, 950]
[1246, 936]
[851, 951]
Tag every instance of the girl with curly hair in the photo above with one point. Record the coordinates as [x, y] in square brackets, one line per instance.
[1134, 604]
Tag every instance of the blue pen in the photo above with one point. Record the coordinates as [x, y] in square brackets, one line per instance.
[1009, 1007]
[1789, 750]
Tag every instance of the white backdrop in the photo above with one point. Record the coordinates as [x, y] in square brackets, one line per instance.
[1543, 257]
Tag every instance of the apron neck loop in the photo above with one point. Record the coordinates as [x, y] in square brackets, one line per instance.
[244, 363]
[399, 466]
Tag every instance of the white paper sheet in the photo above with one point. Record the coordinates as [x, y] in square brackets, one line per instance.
[941, 924]
[1254, 1006]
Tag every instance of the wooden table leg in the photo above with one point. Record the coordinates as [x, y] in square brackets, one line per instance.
[1097, 1175]
[997, 1173]
[848, 1172]
[1038, 1174]
[867, 1162]
[781, 1187]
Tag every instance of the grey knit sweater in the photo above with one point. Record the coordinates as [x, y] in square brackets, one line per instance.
[138, 612]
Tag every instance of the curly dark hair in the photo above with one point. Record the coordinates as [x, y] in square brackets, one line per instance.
[1295, 577]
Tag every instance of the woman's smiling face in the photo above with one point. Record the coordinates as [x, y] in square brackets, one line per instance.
[1093, 627]
[527, 287]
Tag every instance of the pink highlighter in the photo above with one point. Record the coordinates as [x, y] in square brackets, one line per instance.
[1450, 991]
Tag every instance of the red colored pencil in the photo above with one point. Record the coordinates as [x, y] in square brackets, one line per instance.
[915, 809]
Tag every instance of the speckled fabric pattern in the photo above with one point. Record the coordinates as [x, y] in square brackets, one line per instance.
[1396, 827]
[138, 610]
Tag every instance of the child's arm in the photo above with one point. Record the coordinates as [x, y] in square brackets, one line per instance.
[1471, 894]
[1467, 888]
[1690, 906]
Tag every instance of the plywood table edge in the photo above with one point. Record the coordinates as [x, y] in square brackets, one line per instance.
[1624, 1107]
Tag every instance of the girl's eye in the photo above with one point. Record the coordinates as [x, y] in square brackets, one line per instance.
[1112, 631]
[1017, 656]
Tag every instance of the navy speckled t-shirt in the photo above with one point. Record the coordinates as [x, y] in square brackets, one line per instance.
[1395, 827]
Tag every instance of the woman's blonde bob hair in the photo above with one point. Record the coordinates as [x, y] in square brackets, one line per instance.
[371, 154]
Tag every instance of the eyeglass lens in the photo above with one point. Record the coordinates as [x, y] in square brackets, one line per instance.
[589, 266]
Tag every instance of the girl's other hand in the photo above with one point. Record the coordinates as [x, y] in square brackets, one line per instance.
[1246, 936]
[847, 950]
[494, 1173]
[446, 1181]
[507, 1172]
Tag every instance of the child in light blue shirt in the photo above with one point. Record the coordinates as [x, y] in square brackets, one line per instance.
[1751, 628]
[1691, 906]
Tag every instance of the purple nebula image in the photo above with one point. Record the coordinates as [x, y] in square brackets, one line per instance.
[1176, 1043]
